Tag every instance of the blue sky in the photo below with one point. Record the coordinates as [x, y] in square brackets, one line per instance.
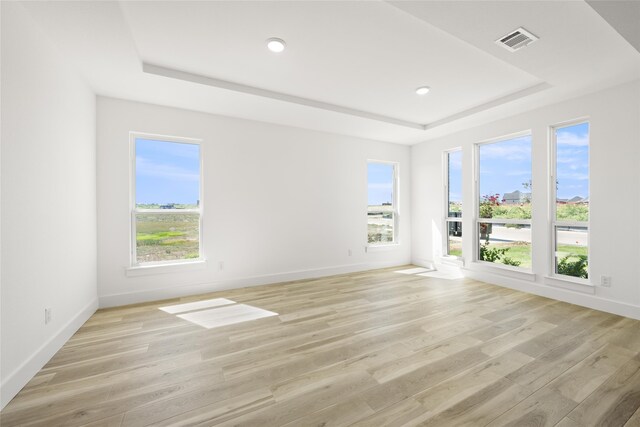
[504, 166]
[573, 161]
[380, 179]
[167, 172]
[455, 176]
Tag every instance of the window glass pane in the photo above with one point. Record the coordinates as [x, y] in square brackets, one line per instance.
[454, 238]
[454, 166]
[572, 251]
[380, 213]
[380, 226]
[167, 236]
[572, 172]
[380, 188]
[505, 179]
[167, 174]
[508, 244]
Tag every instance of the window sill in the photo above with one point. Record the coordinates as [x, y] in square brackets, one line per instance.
[505, 270]
[578, 285]
[382, 248]
[145, 270]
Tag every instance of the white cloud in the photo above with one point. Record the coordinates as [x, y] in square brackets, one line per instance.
[512, 152]
[573, 175]
[455, 162]
[572, 140]
[485, 172]
[576, 156]
[146, 167]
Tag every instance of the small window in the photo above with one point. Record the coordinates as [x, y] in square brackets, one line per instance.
[166, 217]
[453, 203]
[570, 200]
[504, 202]
[382, 212]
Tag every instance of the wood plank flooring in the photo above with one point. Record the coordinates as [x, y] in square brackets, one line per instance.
[376, 348]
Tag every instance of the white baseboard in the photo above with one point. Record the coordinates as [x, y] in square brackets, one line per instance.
[115, 300]
[14, 382]
[557, 293]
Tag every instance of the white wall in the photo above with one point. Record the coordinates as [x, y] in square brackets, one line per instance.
[280, 203]
[48, 201]
[614, 116]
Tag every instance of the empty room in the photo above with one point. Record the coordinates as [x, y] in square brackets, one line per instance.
[320, 213]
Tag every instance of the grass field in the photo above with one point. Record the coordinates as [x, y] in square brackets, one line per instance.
[165, 237]
[521, 251]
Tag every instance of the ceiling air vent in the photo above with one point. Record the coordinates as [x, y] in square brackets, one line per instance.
[516, 40]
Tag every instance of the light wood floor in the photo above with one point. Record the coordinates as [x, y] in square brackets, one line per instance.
[368, 349]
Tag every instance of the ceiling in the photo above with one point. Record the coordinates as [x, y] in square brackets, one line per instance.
[350, 67]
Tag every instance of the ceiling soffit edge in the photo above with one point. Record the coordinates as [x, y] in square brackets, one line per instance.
[256, 91]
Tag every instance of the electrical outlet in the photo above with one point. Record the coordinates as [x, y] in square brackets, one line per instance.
[605, 281]
[220, 265]
[47, 315]
[349, 252]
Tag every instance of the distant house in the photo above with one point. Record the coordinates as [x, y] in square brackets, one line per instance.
[578, 200]
[516, 197]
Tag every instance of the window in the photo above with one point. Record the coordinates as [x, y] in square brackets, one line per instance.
[453, 203]
[166, 215]
[382, 212]
[570, 200]
[504, 189]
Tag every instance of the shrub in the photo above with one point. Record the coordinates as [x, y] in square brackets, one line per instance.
[491, 254]
[510, 261]
[488, 204]
[578, 212]
[496, 254]
[575, 268]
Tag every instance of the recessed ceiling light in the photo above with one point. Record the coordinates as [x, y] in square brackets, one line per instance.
[423, 90]
[276, 45]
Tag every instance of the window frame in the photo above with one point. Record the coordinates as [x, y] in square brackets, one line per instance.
[133, 210]
[553, 195]
[476, 206]
[395, 201]
[447, 218]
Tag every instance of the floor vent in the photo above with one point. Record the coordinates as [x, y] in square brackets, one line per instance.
[516, 39]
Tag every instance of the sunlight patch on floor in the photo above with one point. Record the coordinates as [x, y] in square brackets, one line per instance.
[415, 270]
[197, 305]
[439, 274]
[227, 315]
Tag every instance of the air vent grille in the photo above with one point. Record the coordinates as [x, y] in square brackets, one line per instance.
[516, 40]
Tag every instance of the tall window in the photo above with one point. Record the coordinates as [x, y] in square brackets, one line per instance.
[570, 200]
[504, 203]
[453, 203]
[382, 213]
[166, 192]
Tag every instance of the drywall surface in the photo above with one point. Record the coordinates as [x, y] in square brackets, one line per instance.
[614, 117]
[48, 200]
[279, 203]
